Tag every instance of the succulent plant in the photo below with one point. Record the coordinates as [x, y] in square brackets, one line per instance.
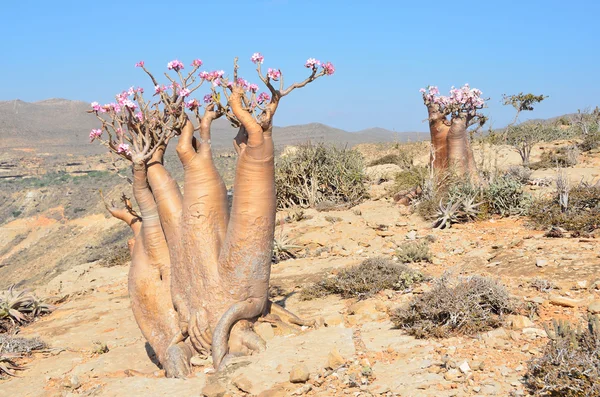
[283, 248]
[7, 365]
[447, 215]
[18, 307]
[469, 209]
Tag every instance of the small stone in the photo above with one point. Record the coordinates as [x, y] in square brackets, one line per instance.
[534, 332]
[334, 319]
[594, 307]
[265, 331]
[299, 373]
[214, 390]
[242, 383]
[73, 382]
[452, 374]
[464, 367]
[541, 262]
[335, 359]
[303, 390]
[412, 235]
[199, 361]
[583, 284]
[519, 322]
[562, 301]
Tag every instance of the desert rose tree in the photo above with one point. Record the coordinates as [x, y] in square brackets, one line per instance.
[449, 119]
[199, 276]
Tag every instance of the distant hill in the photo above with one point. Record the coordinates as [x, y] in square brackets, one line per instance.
[62, 125]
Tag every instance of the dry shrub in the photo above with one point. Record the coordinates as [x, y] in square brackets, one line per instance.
[570, 364]
[566, 156]
[316, 173]
[582, 215]
[463, 307]
[520, 173]
[414, 252]
[368, 278]
[11, 344]
[404, 157]
[411, 179]
[118, 257]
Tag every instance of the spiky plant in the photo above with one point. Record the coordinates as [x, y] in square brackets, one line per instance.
[7, 364]
[13, 305]
[446, 215]
[469, 209]
[19, 307]
[283, 248]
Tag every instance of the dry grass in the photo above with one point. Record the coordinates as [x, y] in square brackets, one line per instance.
[461, 307]
[368, 278]
[570, 363]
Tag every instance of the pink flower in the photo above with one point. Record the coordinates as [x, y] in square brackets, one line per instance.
[257, 57]
[95, 133]
[205, 75]
[130, 91]
[184, 92]
[422, 90]
[274, 74]
[263, 97]
[175, 65]
[242, 83]
[129, 104]
[139, 116]
[216, 82]
[196, 63]
[192, 104]
[124, 148]
[219, 73]
[140, 90]
[140, 64]
[312, 63]
[252, 87]
[119, 131]
[328, 68]
[158, 89]
[96, 106]
[208, 98]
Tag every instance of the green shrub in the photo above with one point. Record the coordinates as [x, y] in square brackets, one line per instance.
[317, 173]
[590, 141]
[368, 278]
[404, 157]
[413, 252]
[570, 363]
[581, 216]
[466, 307]
[505, 197]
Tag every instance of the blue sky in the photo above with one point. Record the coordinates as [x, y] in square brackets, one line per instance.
[384, 51]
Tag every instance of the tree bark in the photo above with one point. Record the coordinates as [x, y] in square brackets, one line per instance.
[438, 128]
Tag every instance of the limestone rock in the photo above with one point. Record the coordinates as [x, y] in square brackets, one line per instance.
[562, 301]
[594, 307]
[214, 390]
[299, 373]
[519, 322]
[335, 359]
[265, 331]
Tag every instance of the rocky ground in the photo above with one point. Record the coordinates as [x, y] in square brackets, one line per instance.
[355, 350]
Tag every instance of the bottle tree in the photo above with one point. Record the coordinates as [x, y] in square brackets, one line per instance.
[199, 276]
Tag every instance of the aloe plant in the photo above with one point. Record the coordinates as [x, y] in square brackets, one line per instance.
[447, 215]
[469, 210]
[7, 365]
[19, 307]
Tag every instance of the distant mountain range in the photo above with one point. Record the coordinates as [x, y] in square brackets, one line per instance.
[62, 126]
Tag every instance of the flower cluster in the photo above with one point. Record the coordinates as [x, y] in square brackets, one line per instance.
[274, 74]
[96, 133]
[124, 148]
[460, 99]
[192, 104]
[312, 63]
[140, 64]
[175, 65]
[184, 92]
[208, 98]
[263, 97]
[196, 63]
[257, 58]
[328, 68]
